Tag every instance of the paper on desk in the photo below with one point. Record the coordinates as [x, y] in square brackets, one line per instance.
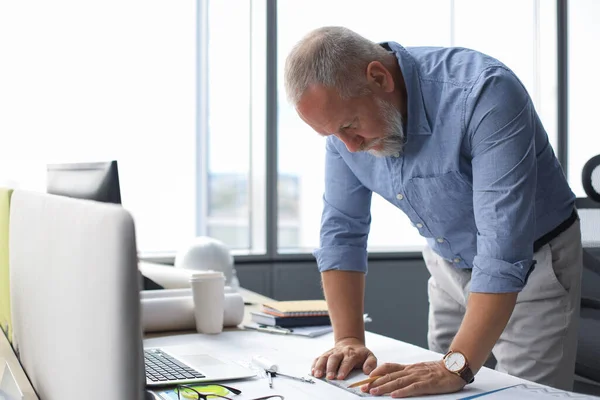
[529, 391]
[164, 293]
[307, 331]
[173, 313]
[177, 313]
[167, 277]
[353, 376]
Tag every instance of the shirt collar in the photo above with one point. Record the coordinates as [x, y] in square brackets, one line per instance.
[417, 117]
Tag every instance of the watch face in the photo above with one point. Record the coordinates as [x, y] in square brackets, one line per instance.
[455, 362]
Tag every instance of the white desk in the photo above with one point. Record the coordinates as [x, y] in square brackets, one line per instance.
[294, 356]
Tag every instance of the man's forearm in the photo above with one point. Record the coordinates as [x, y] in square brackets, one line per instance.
[485, 319]
[345, 292]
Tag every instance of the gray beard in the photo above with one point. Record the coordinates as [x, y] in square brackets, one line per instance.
[393, 141]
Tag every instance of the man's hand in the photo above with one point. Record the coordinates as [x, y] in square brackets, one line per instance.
[414, 380]
[344, 357]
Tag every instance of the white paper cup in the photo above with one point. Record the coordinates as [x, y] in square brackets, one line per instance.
[208, 293]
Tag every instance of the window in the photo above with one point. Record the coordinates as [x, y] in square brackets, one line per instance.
[528, 48]
[182, 105]
[235, 141]
[584, 137]
[119, 80]
[228, 141]
[86, 81]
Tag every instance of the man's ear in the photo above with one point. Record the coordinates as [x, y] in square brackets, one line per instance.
[378, 76]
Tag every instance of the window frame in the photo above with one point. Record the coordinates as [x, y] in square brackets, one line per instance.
[263, 178]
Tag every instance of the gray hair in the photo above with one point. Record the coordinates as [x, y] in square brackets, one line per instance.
[333, 57]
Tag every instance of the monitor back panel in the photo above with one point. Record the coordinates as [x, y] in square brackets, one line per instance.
[75, 299]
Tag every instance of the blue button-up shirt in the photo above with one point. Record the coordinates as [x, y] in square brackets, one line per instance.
[478, 177]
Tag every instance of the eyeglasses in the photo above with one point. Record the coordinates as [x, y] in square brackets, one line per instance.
[185, 392]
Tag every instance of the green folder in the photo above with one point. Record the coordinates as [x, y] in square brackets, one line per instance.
[5, 318]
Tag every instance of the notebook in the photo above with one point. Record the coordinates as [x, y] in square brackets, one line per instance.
[300, 308]
[289, 322]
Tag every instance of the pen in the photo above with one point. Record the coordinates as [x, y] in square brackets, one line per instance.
[269, 329]
[298, 378]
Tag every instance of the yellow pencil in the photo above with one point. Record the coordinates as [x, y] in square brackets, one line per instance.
[364, 382]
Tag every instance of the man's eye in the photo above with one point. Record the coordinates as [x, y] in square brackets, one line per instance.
[347, 126]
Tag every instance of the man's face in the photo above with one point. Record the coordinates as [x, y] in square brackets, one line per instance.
[365, 123]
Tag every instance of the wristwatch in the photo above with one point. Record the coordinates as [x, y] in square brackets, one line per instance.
[457, 363]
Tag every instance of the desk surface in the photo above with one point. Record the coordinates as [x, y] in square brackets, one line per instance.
[293, 354]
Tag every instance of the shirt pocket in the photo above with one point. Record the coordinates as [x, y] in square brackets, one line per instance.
[441, 198]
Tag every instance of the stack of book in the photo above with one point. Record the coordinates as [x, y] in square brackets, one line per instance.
[293, 314]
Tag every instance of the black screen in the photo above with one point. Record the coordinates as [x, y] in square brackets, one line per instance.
[97, 181]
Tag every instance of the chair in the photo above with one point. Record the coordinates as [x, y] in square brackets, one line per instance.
[587, 365]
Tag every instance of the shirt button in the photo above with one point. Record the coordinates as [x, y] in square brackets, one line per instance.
[399, 196]
[396, 155]
[440, 240]
[457, 260]
[419, 225]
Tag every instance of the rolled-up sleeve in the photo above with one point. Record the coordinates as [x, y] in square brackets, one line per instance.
[346, 217]
[501, 130]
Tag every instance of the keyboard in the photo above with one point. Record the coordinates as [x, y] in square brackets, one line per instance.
[161, 367]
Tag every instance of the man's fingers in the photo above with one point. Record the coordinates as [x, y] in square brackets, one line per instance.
[333, 363]
[320, 365]
[387, 378]
[370, 364]
[396, 384]
[387, 368]
[380, 381]
[347, 365]
[415, 389]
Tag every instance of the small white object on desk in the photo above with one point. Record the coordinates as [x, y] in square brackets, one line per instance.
[264, 363]
[208, 290]
[271, 369]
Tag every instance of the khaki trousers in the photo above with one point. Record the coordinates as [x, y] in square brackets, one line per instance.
[539, 342]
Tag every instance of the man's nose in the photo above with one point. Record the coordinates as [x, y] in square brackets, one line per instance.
[353, 142]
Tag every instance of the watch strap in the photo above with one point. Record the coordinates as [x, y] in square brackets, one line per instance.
[467, 375]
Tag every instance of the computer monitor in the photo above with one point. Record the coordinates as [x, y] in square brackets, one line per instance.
[92, 181]
[76, 321]
[97, 181]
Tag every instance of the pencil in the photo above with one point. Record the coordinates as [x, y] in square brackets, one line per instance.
[364, 382]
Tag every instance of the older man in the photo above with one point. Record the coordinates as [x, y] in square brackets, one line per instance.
[450, 137]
